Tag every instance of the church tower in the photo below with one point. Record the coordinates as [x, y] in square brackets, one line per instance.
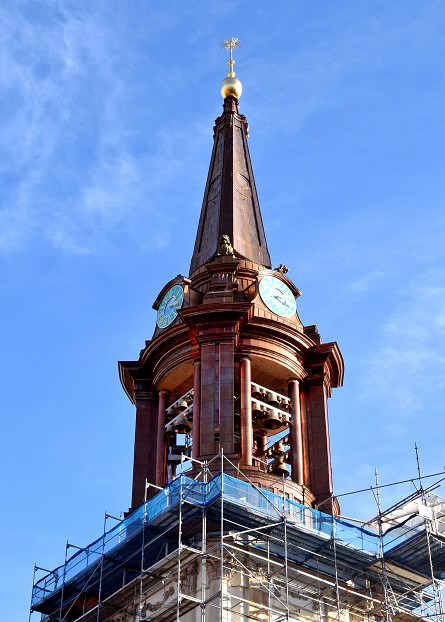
[233, 517]
[230, 366]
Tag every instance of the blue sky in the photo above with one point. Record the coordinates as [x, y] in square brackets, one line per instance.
[106, 113]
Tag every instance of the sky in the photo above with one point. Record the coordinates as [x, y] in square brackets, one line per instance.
[106, 114]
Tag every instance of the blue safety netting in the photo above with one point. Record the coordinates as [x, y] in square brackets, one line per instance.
[202, 494]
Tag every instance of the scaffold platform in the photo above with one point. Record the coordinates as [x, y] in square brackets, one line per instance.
[312, 546]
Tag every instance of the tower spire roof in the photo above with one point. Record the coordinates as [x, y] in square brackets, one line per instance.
[230, 206]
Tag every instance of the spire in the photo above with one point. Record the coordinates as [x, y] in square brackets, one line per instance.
[230, 206]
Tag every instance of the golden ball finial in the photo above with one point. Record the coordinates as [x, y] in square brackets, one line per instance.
[231, 86]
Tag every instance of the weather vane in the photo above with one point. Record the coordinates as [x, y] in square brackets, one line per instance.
[230, 45]
[231, 86]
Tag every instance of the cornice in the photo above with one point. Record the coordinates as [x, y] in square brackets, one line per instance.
[166, 340]
[281, 330]
[290, 362]
[326, 359]
[215, 313]
[180, 344]
[167, 364]
[134, 382]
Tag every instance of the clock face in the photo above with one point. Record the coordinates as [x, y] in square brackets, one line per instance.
[277, 296]
[168, 309]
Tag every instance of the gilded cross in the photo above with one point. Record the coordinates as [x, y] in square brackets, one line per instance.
[230, 44]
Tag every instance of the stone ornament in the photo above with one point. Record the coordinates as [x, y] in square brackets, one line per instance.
[225, 248]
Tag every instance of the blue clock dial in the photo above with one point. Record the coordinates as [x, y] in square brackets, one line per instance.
[277, 296]
[168, 309]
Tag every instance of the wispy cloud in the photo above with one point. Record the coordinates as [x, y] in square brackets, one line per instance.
[366, 281]
[38, 68]
[75, 174]
[406, 367]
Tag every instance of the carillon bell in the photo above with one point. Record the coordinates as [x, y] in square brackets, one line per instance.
[181, 406]
[256, 393]
[282, 403]
[272, 399]
[278, 449]
[170, 412]
[170, 431]
[286, 407]
[181, 425]
[257, 411]
[277, 467]
[272, 419]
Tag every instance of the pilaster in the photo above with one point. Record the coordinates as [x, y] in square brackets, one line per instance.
[144, 466]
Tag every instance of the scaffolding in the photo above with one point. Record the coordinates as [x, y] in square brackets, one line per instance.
[217, 548]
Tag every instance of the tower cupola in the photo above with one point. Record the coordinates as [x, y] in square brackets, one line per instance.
[231, 370]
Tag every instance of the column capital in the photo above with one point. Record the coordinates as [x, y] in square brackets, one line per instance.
[143, 395]
[143, 390]
[326, 359]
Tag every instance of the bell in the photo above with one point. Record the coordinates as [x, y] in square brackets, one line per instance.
[277, 467]
[272, 399]
[286, 419]
[257, 412]
[282, 402]
[169, 430]
[272, 419]
[256, 393]
[181, 424]
[278, 449]
[170, 411]
[181, 406]
[263, 395]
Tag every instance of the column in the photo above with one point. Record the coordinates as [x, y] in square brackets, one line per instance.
[196, 408]
[160, 439]
[296, 435]
[246, 412]
[305, 436]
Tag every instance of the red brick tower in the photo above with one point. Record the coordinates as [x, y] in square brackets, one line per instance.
[230, 366]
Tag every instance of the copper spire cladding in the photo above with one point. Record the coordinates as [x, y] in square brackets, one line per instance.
[230, 206]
